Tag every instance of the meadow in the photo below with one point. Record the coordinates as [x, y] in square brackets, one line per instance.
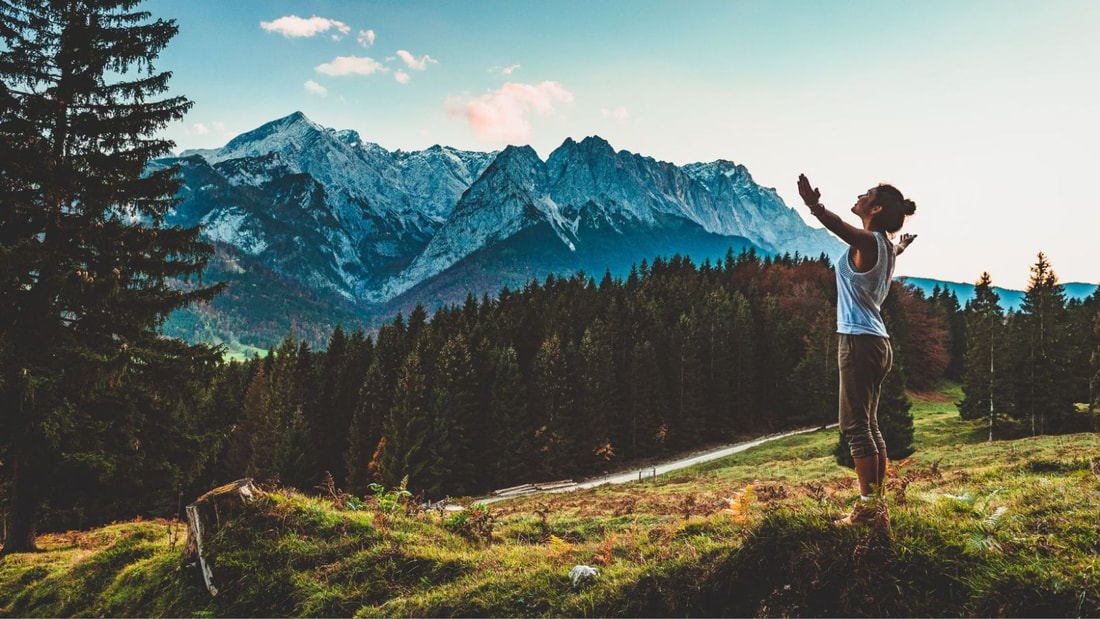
[977, 528]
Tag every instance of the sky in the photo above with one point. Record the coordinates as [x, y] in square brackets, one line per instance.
[983, 112]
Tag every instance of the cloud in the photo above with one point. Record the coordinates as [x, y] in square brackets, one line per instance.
[509, 70]
[366, 38]
[401, 77]
[619, 113]
[315, 88]
[293, 26]
[417, 64]
[351, 65]
[201, 129]
[504, 115]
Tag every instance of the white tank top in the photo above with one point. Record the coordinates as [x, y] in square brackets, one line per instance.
[860, 295]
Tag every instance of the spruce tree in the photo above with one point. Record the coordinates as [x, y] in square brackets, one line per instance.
[508, 426]
[455, 419]
[983, 368]
[1043, 395]
[406, 428]
[87, 261]
[1094, 382]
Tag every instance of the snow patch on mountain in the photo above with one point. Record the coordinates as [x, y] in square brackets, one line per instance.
[233, 226]
[324, 206]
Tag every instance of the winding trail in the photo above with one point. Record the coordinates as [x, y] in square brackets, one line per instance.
[655, 469]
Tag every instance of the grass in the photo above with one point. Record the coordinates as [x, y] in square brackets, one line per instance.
[977, 529]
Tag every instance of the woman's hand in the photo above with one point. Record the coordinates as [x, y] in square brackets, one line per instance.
[810, 195]
[906, 239]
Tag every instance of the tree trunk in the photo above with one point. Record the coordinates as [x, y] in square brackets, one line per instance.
[20, 525]
[204, 517]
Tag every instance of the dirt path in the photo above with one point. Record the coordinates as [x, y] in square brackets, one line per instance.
[647, 471]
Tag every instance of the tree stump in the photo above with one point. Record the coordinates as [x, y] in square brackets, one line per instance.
[204, 517]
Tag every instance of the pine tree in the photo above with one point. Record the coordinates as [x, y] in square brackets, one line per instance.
[983, 367]
[1043, 395]
[87, 261]
[454, 415]
[366, 430]
[407, 427]
[509, 428]
[555, 406]
[815, 379]
[597, 397]
[1094, 383]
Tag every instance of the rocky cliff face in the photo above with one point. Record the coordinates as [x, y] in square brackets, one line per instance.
[347, 217]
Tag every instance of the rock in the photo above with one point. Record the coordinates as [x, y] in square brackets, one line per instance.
[582, 575]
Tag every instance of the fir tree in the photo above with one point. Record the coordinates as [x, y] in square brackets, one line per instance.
[983, 368]
[455, 418]
[1094, 382]
[366, 430]
[407, 427]
[87, 261]
[509, 428]
[1043, 394]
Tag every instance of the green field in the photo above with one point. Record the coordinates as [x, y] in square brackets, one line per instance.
[1006, 528]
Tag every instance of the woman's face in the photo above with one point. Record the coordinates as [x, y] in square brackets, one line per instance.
[864, 204]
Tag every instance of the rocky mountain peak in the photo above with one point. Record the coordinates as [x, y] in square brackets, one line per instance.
[331, 210]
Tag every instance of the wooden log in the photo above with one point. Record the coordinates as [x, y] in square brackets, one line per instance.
[555, 485]
[513, 489]
[204, 517]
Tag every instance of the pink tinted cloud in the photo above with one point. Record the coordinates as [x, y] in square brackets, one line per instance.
[504, 115]
[366, 38]
[351, 65]
[401, 77]
[294, 26]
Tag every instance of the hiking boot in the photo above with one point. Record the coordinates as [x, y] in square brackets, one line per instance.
[865, 513]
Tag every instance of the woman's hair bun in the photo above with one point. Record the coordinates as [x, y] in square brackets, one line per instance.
[908, 206]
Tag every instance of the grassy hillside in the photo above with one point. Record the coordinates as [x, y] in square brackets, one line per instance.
[978, 529]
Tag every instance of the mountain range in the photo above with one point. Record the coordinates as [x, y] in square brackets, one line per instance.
[315, 227]
[1008, 298]
[330, 229]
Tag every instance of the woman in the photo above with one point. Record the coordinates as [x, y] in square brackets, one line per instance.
[864, 353]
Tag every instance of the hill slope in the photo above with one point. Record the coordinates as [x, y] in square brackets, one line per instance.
[978, 529]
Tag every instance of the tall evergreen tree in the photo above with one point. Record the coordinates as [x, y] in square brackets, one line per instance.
[509, 428]
[86, 259]
[984, 372]
[816, 385]
[597, 397]
[455, 420]
[407, 427]
[366, 430]
[1094, 383]
[555, 404]
[1043, 394]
